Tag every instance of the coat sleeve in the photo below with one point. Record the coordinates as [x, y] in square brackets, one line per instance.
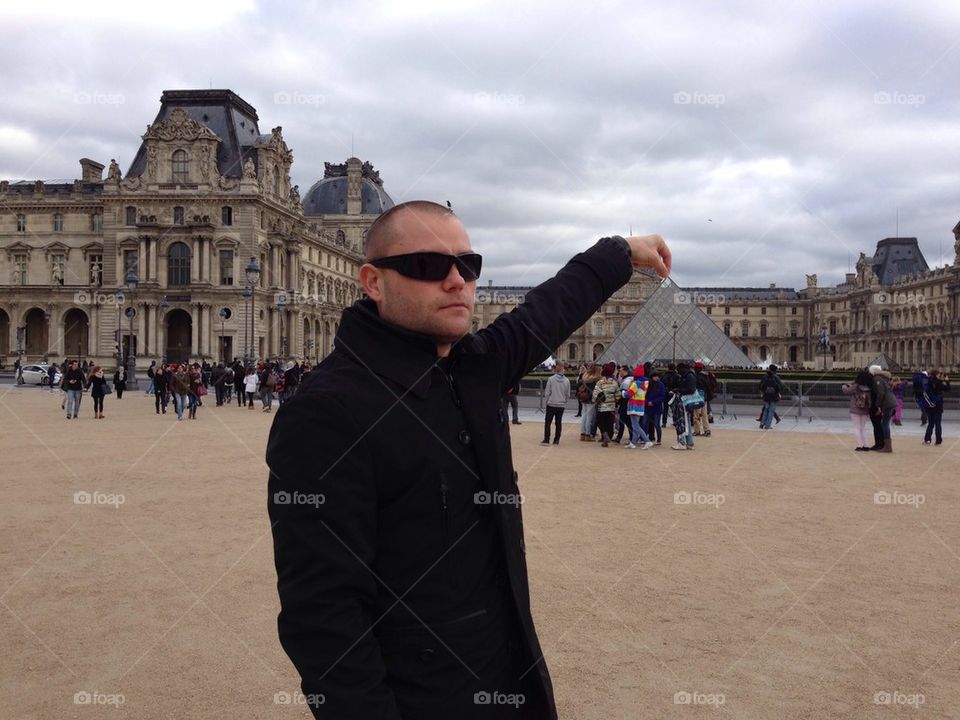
[553, 310]
[323, 512]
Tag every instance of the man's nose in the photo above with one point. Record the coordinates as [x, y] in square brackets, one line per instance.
[454, 280]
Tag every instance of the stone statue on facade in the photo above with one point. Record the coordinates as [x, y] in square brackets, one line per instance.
[114, 172]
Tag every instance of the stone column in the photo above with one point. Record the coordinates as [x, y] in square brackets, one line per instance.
[161, 268]
[142, 330]
[93, 331]
[194, 329]
[195, 260]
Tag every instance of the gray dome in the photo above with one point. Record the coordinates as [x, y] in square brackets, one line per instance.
[329, 197]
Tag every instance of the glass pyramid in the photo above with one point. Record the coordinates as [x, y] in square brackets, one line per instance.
[650, 336]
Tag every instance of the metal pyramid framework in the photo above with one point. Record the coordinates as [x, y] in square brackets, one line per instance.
[650, 336]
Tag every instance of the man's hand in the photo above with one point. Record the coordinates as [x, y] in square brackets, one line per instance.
[650, 251]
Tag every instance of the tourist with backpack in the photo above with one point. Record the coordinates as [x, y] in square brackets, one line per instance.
[771, 391]
[920, 381]
[937, 384]
[268, 382]
[859, 392]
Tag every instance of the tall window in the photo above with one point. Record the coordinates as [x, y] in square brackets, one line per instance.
[572, 351]
[226, 215]
[276, 180]
[226, 267]
[178, 215]
[746, 310]
[96, 223]
[21, 222]
[726, 329]
[181, 170]
[96, 270]
[131, 215]
[709, 309]
[20, 269]
[598, 327]
[793, 329]
[726, 310]
[793, 311]
[178, 265]
[833, 327]
[58, 222]
[763, 311]
[744, 329]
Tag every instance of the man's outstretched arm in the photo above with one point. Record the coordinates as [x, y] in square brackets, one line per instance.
[553, 310]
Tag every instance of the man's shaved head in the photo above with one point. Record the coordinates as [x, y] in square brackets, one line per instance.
[386, 230]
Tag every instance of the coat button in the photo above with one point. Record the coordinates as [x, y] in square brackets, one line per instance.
[427, 654]
[464, 437]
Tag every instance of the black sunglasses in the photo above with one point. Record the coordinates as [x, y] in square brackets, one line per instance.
[432, 265]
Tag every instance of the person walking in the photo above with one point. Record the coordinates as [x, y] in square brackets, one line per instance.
[555, 396]
[239, 373]
[151, 371]
[686, 391]
[250, 382]
[97, 384]
[605, 393]
[938, 384]
[179, 384]
[580, 371]
[268, 382]
[218, 377]
[161, 377]
[859, 392]
[120, 381]
[73, 383]
[670, 382]
[771, 391]
[898, 386]
[196, 389]
[920, 382]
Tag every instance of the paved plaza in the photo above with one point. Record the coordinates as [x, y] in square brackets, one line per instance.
[766, 574]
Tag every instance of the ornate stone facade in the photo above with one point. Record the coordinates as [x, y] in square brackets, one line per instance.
[198, 202]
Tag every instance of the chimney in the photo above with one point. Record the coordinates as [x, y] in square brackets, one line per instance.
[851, 278]
[91, 171]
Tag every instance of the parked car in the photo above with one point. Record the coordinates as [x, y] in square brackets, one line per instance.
[35, 375]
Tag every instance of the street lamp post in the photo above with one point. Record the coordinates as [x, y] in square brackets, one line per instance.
[118, 296]
[223, 340]
[252, 271]
[675, 328]
[247, 293]
[132, 281]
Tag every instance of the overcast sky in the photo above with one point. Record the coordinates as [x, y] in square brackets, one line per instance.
[763, 140]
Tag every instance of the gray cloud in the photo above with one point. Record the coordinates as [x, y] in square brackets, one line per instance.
[762, 141]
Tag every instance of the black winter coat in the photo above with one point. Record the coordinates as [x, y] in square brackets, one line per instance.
[398, 536]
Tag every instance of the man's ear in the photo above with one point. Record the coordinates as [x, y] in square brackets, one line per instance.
[371, 281]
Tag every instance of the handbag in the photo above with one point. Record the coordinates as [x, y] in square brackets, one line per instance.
[693, 401]
[201, 390]
[107, 390]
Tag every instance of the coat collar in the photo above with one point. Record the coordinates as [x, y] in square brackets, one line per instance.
[401, 355]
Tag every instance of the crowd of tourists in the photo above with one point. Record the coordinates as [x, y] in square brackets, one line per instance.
[184, 385]
[632, 406]
[636, 401]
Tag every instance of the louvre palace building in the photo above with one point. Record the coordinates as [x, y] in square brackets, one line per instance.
[152, 264]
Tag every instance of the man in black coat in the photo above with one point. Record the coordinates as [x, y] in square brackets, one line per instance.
[395, 509]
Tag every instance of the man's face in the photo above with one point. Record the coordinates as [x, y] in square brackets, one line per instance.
[441, 309]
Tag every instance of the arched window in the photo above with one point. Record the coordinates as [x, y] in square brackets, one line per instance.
[178, 264]
[572, 351]
[180, 165]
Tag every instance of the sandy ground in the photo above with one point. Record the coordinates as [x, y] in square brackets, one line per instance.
[760, 576]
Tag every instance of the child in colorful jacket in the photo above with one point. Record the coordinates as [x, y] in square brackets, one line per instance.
[636, 404]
